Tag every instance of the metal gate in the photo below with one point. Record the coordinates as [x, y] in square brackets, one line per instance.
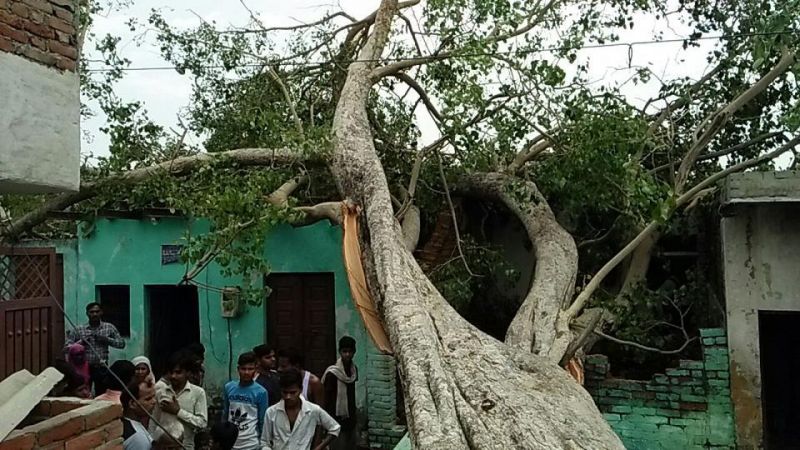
[31, 324]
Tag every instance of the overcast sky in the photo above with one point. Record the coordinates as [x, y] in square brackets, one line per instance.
[164, 93]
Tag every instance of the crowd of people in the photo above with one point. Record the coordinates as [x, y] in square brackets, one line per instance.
[274, 404]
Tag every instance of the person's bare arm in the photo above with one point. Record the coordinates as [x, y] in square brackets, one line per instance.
[324, 444]
[317, 391]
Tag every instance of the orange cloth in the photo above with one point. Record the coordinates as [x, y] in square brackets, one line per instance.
[575, 368]
[351, 250]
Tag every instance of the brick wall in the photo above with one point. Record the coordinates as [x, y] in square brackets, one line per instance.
[40, 30]
[69, 424]
[384, 432]
[688, 407]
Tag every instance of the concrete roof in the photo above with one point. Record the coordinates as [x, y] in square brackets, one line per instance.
[20, 393]
[761, 187]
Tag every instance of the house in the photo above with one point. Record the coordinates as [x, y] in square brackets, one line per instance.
[131, 267]
[761, 258]
[39, 134]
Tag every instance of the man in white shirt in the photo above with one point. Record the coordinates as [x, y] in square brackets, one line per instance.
[290, 424]
[181, 404]
[137, 402]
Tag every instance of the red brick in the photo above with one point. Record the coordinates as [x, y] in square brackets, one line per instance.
[62, 13]
[61, 25]
[66, 64]
[58, 428]
[20, 10]
[62, 49]
[13, 33]
[54, 446]
[39, 42]
[116, 444]
[62, 405]
[39, 29]
[39, 56]
[91, 439]
[64, 37]
[43, 5]
[7, 45]
[102, 413]
[18, 440]
[37, 16]
[11, 19]
[68, 4]
[113, 429]
[693, 406]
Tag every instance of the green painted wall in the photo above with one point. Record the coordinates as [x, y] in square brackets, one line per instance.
[128, 252]
[689, 407]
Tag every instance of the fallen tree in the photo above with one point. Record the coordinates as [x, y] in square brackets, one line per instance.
[463, 388]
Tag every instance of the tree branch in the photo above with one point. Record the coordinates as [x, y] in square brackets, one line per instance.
[720, 153]
[714, 123]
[644, 347]
[298, 124]
[405, 78]
[685, 198]
[176, 167]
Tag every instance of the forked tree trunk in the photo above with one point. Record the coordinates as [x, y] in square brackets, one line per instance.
[463, 388]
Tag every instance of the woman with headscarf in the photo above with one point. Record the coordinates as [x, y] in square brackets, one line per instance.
[144, 370]
[76, 357]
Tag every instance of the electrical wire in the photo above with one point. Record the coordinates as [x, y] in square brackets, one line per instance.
[435, 57]
[91, 347]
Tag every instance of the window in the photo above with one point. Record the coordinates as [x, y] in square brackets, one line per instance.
[116, 302]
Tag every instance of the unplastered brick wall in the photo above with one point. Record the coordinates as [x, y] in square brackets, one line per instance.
[687, 407]
[69, 424]
[40, 30]
[384, 432]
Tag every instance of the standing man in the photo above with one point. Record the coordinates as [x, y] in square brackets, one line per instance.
[267, 376]
[137, 402]
[310, 388]
[245, 403]
[182, 406]
[291, 423]
[340, 394]
[96, 337]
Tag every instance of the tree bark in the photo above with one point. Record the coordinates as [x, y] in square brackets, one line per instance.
[538, 325]
[463, 389]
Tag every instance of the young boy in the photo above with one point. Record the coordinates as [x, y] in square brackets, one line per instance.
[340, 393]
[135, 434]
[245, 403]
[267, 377]
[290, 424]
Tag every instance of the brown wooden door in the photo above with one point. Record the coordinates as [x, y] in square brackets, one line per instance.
[31, 322]
[300, 315]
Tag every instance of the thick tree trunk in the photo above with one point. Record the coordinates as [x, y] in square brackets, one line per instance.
[463, 389]
[539, 325]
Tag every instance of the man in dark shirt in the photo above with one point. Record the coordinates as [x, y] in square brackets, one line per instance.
[339, 381]
[267, 375]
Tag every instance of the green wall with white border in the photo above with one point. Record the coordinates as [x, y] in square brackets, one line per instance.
[128, 252]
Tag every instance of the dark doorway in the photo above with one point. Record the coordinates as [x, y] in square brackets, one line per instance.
[300, 315]
[173, 322]
[780, 339]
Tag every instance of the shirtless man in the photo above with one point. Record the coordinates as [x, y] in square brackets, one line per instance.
[311, 389]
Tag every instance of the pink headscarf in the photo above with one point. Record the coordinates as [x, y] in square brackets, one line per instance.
[75, 353]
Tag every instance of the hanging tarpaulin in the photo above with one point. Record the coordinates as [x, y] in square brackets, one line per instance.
[351, 250]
